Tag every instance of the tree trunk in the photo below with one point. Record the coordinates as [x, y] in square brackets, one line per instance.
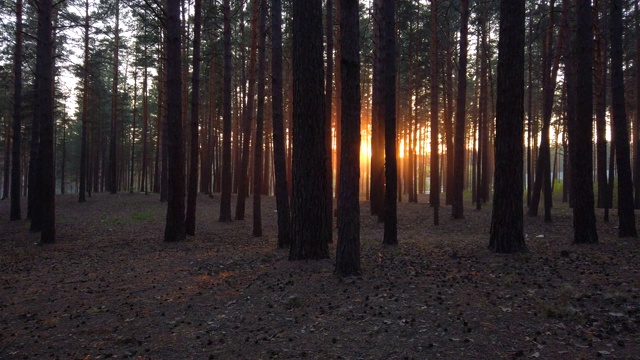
[507, 229]
[43, 114]
[348, 249]
[433, 72]
[636, 124]
[133, 131]
[258, 158]
[391, 167]
[600, 98]
[377, 115]
[247, 116]
[225, 200]
[279, 158]
[16, 213]
[112, 176]
[626, 214]
[309, 223]
[175, 227]
[457, 209]
[192, 193]
[328, 85]
[584, 221]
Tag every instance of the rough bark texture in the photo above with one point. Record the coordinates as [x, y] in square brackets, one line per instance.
[391, 168]
[44, 115]
[600, 99]
[348, 250]
[225, 199]
[328, 86]
[279, 158]
[507, 229]
[16, 213]
[457, 209]
[626, 214]
[309, 215]
[175, 227]
[584, 220]
[192, 193]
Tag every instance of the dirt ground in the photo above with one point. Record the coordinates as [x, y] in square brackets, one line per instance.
[111, 288]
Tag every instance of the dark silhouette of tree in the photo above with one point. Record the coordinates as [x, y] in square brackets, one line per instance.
[279, 159]
[43, 114]
[174, 227]
[457, 208]
[600, 99]
[258, 155]
[309, 216]
[192, 193]
[507, 229]
[584, 221]
[377, 115]
[225, 199]
[636, 123]
[348, 250]
[390, 236]
[626, 214]
[435, 166]
[328, 85]
[16, 144]
[112, 171]
[247, 115]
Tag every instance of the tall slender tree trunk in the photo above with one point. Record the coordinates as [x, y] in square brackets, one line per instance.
[507, 229]
[309, 223]
[6, 172]
[112, 176]
[16, 213]
[63, 160]
[279, 158]
[457, 209]
[584, 222]
[377, 115]
[626, 214]
[348, 249]
[600, 99]
[174, 227]
[43, 114]
[390, 236]
[247, 115]
[133, 131]
[145, 128]
[328, 86]
[636, 124]
[225, 200]
[258, 148]
[192, 193]
[435, 170]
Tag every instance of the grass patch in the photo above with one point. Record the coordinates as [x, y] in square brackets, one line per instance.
[142, 216]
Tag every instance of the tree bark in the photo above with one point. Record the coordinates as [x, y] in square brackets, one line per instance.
[43, 114]
[112, 176]
[390, 236]
[507, 229]
[309, 223]
[225, 200]
[457, 208]
[626, 213]
[15, 213]
[192, 193]
[279, 158]
[174, 226]
[258, 158]
[348, 249]
[584, 222]
[433, 71]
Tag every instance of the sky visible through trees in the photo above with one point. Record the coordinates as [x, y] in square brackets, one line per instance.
[267, 119]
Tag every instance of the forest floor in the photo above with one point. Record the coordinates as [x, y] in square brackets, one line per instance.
[111, 288]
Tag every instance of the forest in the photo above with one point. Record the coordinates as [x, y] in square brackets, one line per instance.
[454, 169]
